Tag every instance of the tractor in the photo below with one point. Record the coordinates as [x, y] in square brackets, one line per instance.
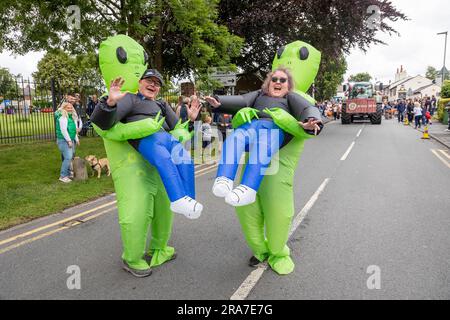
[361, 102]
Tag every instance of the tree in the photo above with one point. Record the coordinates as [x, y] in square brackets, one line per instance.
[330, 75]
[445, 90]
[59, 66]
[333, 27]
[360, 77]
[8, 86]
[180, 36]
[431, 73]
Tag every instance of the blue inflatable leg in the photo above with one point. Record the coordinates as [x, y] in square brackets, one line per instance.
[156, 149]
[265, 140]
[233, 148]
[184, 165]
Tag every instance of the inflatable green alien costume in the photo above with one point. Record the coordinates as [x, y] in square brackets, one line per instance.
[266, 222]
[141, 197]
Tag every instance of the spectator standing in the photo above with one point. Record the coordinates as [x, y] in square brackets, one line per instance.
[206, 131]
[417, 114]
[433, 105]
[335, 111]
[401, 110]
[410, 111]
[91, 105]
[224, 124]
[67, 138]
[181, 110]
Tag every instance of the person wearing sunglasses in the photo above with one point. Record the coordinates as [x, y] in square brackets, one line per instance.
[258, 133]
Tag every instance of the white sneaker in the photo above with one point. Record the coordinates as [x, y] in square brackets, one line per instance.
[65, 179]
[222, 186]
[241, 196]
[187, 206]
[446, 130]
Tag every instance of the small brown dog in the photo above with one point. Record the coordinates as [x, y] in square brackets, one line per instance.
[98, 165]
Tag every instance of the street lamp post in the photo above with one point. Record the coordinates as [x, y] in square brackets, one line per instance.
[445, 53]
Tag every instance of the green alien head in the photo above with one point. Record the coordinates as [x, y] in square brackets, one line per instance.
[121, 56]
[302, 60]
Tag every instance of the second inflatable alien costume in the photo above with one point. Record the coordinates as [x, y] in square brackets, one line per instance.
[266, 222]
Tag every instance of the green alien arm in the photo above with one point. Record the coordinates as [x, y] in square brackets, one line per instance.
[132, 130]
[181, 131]
[243, 116]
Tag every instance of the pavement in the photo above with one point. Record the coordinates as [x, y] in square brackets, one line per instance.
[437, 132]
[372, 223]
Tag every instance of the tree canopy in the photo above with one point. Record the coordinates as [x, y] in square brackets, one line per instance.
[8, 86]
[431, 73]
[180, 36]
[360, 77]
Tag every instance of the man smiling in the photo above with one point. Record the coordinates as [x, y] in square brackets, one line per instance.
[160, 147]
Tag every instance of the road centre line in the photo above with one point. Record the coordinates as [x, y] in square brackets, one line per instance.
[250, 282]
[359, 132]
[348, 151]
[440, 157]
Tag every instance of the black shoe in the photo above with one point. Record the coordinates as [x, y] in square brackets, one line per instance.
[135, 272]
[253, 262]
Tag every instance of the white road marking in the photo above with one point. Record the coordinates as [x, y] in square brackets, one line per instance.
[440, 157]
[206, 170]
[359, 132]
[348, 151]
[72, 218]
[249, 283]
[444, 152]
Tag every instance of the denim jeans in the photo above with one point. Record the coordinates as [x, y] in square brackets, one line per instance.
[67, 155]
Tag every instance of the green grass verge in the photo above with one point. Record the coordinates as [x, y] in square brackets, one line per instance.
[13, 125]
[29, 185]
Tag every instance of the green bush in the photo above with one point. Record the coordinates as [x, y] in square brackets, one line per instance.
[441, 108]
[445, 91]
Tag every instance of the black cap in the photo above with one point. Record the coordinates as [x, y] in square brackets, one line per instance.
[153, 73]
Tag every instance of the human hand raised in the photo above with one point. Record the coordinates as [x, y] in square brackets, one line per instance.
[212, 101]
[193, 108]
[114, 94]
[311, 125]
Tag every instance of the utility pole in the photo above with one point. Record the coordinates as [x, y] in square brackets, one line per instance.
[445, 53]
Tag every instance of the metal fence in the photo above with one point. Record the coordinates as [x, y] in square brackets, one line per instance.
[27, 107]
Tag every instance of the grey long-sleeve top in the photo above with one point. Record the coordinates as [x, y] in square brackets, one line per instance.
[293, 103]
[132, 107]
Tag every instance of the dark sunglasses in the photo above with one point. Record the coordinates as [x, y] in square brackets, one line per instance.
[282, 80]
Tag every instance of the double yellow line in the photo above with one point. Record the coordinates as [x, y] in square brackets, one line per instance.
[71, 221]
[442, 155]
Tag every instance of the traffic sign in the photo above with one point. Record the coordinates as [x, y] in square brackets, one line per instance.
[227, 78]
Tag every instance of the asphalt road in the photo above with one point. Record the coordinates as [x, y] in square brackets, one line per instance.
[385, 207]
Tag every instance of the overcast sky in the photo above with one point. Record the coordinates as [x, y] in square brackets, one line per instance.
[417, 46]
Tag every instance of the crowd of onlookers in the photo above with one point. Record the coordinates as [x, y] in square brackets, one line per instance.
[330, 109]
[419, 110]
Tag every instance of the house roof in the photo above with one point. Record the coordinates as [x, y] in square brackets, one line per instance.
[424, 87]
[399, 82]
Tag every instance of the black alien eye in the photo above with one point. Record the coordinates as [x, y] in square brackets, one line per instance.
[121, 55]
[304, 53]
[280, 52]
[145, 57]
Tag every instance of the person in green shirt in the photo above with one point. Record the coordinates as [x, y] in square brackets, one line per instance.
[66, 137]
